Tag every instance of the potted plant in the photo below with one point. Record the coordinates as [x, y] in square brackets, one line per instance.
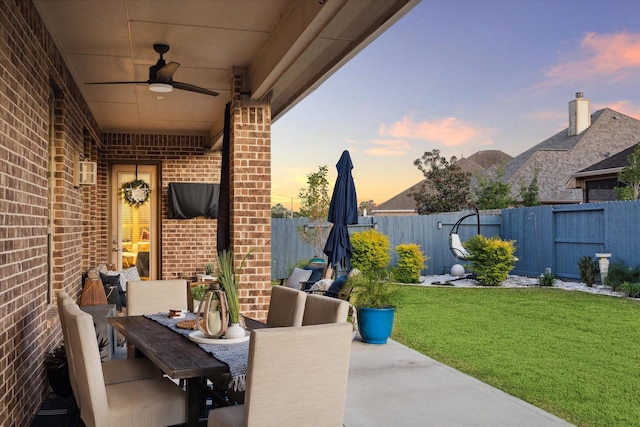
[229, 278]
[57, 367]
[197, 293]
[209, 268]
[375, 298]
[58, 371]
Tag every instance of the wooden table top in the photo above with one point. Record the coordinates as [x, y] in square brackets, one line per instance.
[173, 353]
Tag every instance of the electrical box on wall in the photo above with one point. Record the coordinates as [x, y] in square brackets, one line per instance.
[85, 172]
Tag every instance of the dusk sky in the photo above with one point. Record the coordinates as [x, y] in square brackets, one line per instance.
[459, 76]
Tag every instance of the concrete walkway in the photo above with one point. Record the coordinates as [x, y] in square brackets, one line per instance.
[393, 385]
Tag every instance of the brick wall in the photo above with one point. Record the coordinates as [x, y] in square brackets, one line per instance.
[185, 245]
[30, 67]
[251, 200]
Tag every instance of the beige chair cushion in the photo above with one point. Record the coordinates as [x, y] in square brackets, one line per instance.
[276, 371]
[119, 371]
[319, 309]
[114, 371]
[148, 402]
[286, 307]
[156, 296]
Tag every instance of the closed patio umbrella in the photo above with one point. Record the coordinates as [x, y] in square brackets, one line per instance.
[343, 210]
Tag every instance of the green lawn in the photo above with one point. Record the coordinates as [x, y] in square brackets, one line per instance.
[573, 354]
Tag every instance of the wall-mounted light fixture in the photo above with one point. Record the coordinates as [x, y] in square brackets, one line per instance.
[439, 225]
[84, 173]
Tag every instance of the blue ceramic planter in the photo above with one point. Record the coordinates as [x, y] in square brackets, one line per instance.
[375, 324]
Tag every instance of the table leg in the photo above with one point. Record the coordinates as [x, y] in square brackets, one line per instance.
[193, 401]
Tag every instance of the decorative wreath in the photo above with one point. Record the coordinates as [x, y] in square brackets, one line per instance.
[136, 192]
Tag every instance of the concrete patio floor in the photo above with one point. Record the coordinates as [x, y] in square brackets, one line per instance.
[393, 385]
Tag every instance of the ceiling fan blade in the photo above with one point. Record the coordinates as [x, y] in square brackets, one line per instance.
[192, 88]
[165, 74]
[117, 83]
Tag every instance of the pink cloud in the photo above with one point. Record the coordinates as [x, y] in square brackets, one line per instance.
[614, 55]
[386, 147]
[449, 131]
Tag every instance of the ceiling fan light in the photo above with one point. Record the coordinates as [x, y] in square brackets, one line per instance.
[160, 87]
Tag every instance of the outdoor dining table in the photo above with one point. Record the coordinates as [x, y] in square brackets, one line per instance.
[175, 355]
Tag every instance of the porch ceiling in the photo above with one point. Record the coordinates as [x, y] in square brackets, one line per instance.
[286, 48]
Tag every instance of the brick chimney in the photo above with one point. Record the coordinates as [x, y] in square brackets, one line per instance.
[579, 114]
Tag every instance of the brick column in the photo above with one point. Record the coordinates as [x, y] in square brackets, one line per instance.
[250, 156]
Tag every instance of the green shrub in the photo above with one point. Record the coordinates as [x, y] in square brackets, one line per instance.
[491, 258]
[370, 251]
[619, 273]
[588, 270]
[410, 263]
[630, 289]
[547, 279]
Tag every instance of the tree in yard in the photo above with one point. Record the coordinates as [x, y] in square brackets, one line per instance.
[279, 211]
[630, 175]
[314, 205]
[446, 187]
[369, 205]
[494, 194]
[530, 193]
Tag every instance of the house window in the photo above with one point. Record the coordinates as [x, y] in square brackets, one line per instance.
[601, 190]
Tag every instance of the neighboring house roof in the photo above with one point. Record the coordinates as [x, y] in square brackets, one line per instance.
[400, 202]
[481, 160]
[607, 168]
[561, 155]
[617, 161]
[485, 159]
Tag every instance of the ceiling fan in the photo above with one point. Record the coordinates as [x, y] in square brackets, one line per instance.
[161, 76]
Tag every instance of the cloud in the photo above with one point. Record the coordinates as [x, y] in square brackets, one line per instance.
[387, 147]
[449, 131]
[616, 56]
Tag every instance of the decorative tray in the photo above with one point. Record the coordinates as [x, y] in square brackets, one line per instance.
[198, 336]
[187, 324]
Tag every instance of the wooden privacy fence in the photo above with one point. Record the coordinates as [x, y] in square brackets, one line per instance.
[431, 232]
[545, 236]
[558, 236]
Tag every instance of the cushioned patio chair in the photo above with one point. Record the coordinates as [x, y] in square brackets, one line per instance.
[320, 309]
[155, 296]
[303, 278]
[306, 394]
[113, 371]
[146, 402]
[286, 308]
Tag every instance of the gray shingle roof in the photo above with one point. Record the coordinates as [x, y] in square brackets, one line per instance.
[618, 160]
[560, 156]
